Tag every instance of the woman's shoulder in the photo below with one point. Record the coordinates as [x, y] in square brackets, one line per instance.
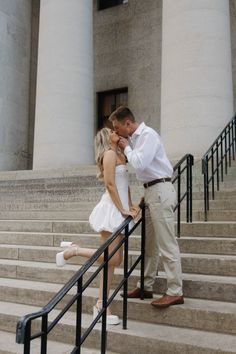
[110, 157]
[110, 153]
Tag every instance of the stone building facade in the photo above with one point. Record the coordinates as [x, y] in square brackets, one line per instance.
[65, 64]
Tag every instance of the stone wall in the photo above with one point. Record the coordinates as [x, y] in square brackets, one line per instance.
[127, 47]
[233, 41]
[15, 29]
[33, 76]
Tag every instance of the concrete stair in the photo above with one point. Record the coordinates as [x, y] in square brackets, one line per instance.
[43, 208]
[8, 346]
[140, 337]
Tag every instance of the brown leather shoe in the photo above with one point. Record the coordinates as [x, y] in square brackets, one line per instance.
[168, 300]
[136, 294]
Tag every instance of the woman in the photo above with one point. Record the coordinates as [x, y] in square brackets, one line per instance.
[114, 206]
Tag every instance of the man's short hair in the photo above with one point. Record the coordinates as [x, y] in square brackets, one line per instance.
[121, 114]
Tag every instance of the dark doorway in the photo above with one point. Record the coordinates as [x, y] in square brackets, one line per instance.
[108, 101]
[104, 4]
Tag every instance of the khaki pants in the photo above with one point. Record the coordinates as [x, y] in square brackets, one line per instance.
[160, 200]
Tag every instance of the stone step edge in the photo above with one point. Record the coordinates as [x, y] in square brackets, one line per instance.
[64, 235]
[9, 346]
[137, 331]
[118, 271]
[206, 314]
[131, 252]
[190, 303]
[200, 222]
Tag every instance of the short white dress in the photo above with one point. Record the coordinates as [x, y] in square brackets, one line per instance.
[105, 216]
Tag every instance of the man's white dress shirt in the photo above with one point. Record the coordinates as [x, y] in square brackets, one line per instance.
[147, 155]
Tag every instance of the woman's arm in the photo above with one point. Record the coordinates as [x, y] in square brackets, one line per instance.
[130, 200]
[134, 208]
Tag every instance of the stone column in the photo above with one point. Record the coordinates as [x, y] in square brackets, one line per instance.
[197, 96]
[64, 101]
[15, 39]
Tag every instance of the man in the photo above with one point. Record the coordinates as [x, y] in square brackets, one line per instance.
[147, 155]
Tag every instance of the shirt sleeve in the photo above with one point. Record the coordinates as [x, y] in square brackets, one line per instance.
[144, 151]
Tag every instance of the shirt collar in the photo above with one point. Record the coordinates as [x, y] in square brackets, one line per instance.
[139, 130]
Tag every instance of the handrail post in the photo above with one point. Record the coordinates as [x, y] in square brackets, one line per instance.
[143, 235]
[178, 211]
[212, 173]
[27, 336]
[217, 166]
[207, 183]
[232, 137]
[235, 132]
[191, 188]
[229, 142]
[44, 334]
[125, 287]
[188, 189]
[78, 330]
[226, 158]
[104, 303]
[221, 159]
[204, 170]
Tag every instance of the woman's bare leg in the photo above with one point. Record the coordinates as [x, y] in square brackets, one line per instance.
[76, 250]
[115, 261]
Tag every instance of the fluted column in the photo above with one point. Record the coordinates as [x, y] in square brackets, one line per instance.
[197, 96]
[64, 100]
[15, 39]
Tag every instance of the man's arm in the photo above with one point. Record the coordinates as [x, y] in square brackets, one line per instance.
[144, 151]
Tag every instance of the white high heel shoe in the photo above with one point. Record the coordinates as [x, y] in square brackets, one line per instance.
[111, 319]
[60, 259]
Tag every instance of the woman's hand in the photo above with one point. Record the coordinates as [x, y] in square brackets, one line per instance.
[136, 209]
[133, 211]
[126, 213]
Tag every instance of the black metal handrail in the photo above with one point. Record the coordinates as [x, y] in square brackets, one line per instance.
[219, 157]
[185, 164]
[24, 326]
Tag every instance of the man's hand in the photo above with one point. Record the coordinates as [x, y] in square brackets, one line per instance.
[123, 142]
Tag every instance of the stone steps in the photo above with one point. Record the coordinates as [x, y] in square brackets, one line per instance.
[198, 215]
[202, 286]
[46, 215]
[210, 228]
[191, 263]
[196, 244]
[90, 192]
[38, 211]
[85, 195]
[206, 315]
[216, 215]
[140, 337]
[227, 229]
[8, 346]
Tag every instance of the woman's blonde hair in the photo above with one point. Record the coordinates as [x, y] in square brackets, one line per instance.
[101, 144]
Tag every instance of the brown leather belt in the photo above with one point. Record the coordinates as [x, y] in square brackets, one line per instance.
[155, 181]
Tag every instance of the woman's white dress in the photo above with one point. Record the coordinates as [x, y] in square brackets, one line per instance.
[105, 216]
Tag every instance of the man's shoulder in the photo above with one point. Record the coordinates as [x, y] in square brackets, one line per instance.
[150, 130]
